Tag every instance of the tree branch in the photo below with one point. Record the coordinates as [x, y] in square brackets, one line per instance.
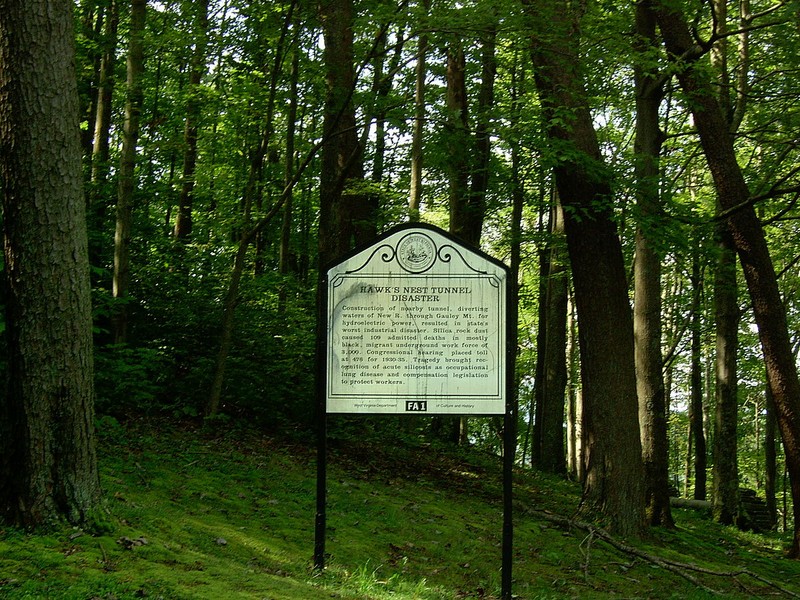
[679, 568]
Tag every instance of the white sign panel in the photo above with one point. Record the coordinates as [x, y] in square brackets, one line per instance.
[417, 324]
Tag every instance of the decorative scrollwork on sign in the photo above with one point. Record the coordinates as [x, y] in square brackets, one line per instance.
[388, 255]
[446, 256]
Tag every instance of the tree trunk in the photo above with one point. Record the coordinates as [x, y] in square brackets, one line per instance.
[345, 216]
[770, 459]
[552, 457]
[726, 307]
[697, 432]
[102, 127]
[285, 255]
[725, 474]
[48, 465]
[614, 471]
[130, 136]
[459, 149]
[647, 278]
[459, 145]
[183, 220]
[418, 128]
[751, 246]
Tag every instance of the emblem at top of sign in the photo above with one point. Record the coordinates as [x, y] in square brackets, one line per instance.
[416, 252]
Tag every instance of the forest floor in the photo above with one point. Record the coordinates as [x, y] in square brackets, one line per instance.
[229, 514]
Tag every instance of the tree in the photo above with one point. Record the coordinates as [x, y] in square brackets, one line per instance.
[127, 167]
[614, 472]
[199, 17]
[48, 465]
[550, 408]
[748, 238]
[345, 215]
[418, 128]
[647, 272]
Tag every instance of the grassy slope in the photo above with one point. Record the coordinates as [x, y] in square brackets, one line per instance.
[226, 516]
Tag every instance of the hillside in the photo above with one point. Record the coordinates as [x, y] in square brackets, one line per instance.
[229, 513]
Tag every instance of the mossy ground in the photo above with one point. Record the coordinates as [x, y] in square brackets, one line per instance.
[230, 514]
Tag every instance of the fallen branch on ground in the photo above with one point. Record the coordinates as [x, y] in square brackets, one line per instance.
[679, 568]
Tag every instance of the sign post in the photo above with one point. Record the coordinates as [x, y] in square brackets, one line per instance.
[416, 323]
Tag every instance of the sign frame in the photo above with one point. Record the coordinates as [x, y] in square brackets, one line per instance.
[416, 317]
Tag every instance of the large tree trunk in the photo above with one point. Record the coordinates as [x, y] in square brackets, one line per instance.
[130, 137]
[647, 278]
[48, 465]
[751, 246]
[614, 472]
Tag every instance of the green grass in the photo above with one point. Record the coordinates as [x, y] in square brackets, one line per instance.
[230, 514]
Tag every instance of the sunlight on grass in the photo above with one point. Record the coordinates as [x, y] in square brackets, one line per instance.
[200, 518]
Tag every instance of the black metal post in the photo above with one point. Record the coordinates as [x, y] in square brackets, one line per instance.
[509, 437]
[322, 492]
[322, 423]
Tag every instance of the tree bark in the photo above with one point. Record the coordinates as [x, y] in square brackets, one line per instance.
[102, 127]
[725, 474]
[127, 166]
[614, 471]
[345, 216]
[418, 128]
[696, 429]
[48, 465]
[183, 220]
[551, 413]
[770, 459]
[647, 276]
[751, 247]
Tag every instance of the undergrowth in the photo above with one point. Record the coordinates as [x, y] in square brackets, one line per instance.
[228, 513]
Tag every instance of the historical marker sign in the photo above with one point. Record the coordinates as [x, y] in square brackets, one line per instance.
[417, 324]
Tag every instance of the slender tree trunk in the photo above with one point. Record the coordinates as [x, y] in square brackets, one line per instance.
[697, 432]
[126, 176]
[285, 255]
[418, 129]
[614, 470]
[48, 464]
[100, 148]
[552, 457]
[748, 238]
[647, 278]
[770, 459]
[475, 210]
[93, 21]
[539, 386]
[459, 145]
[183, 220]
[576, 458]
